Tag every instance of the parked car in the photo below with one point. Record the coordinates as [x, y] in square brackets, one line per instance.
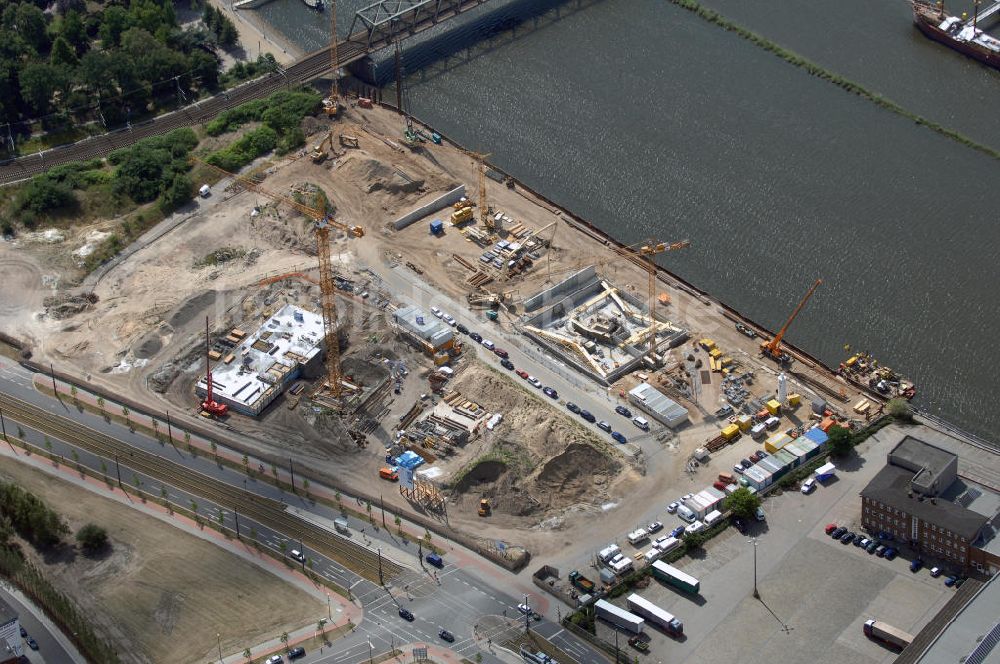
[623, 411]
[461, 328]
[572, 407]
[549, 392]
[746, 463]
[719, 484]
[618, 438]
[603, 425]
[274, 659]
[847, 538]
[295, 554]
[445, 635]
[587, 415]
[654, 527]
[880, 550]
[935, 572]
[672, 508]
[808, 486]
[534, 381]
[872, 547]
[500, 352]
[837, 532]
[437, 312]
[830, 527]
[507, 364]
[760, 514]
[858, 539]
[405, 614]
[916, 564]
[448, 319]
[863, 542]
[522, 373]
[475, 336]
[950, 581]
[677, 532]
[31, 643]
[487, 344]
[435, 559]
[24, 632]
[296, 652]
[738, 468]
[890, 553]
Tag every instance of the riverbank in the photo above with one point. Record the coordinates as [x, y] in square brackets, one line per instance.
[257, 37]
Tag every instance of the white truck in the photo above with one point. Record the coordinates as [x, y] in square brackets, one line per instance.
[609, 552]
[637, 536]
[618, 616]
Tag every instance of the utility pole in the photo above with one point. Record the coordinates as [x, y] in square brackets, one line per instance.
[170, 432]
[3, 426]
[382, 503]
[291, 471]
[616, 646]
[527, 615]
[753, 541]
[218, 637]
[52, 371]
[381, 581]
[119, 471]
[236, 517]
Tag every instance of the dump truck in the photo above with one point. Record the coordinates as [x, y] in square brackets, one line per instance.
[887, 634]
[580, 582]
[484, 507]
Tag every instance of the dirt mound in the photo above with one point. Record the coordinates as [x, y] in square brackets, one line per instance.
[64, 306]
[581, 473]
[191, 308]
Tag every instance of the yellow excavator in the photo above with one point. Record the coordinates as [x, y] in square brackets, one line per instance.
[484, 507]
[319, 151]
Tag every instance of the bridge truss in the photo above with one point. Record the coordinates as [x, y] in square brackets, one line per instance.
[380, 23]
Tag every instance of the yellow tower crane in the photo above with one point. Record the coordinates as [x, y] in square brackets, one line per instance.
[479, 159]
[643, 257]
[323, 223]
[331, 105]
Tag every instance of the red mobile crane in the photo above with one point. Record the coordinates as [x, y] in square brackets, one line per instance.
[210, 405]
[772, 348]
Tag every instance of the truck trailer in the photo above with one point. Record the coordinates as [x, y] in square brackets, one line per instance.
[887, 634]
[618, 616]
[580, 582]
[675, 577]
[655, 615]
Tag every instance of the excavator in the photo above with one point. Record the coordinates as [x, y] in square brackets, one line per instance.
[772, 348]
[484, 507]
[319, 151]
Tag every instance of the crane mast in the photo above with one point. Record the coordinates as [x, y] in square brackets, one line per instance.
[772, 348]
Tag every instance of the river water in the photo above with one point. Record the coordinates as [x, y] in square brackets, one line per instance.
[651, 122]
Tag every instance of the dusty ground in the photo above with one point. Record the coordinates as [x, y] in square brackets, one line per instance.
[148, 596]
[144, 333]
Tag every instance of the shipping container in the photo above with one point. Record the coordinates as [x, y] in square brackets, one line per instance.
[731, 432]
[796, 451]
[757, 479]
[773, 406]
[744, 422]
[776, 442]
[618, 616]
[758, 431]
[675, 577]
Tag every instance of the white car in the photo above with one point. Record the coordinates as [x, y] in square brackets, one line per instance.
[694, 527]
[808, 486]
[297, 555]
[448, 319]
[488, 345]
[437, 312]
[534, 381]
[274, 659]
[672, 508]
[524, 608]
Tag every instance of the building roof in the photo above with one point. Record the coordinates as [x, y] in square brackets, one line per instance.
[891, 486]
[930, 463]
[423, 324]
[972, 635]
[657, 402]
[7, 613]
[290, 337]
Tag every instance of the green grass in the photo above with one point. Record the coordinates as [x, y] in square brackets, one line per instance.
[816, 70]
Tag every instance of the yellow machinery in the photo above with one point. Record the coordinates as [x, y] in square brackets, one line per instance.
[772, 348]
[484, 217]
[319, 151]
[459, 216]
[323, 223]
[331, 105]
[484, 507]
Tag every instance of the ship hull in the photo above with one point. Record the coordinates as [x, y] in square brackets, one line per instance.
[931, 30]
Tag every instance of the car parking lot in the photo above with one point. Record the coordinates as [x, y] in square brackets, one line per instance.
[816, 592]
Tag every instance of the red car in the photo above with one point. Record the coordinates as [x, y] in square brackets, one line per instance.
[830, 527]
[522, 373]
[501, 353]
[719, 484]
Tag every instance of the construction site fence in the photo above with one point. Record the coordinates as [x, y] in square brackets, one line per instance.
[438, 203]
[304, 471]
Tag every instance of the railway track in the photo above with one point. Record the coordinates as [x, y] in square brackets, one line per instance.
[310, 66]
[265, 511]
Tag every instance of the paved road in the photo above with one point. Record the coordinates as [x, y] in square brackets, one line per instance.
[53, 647]
[456, 600]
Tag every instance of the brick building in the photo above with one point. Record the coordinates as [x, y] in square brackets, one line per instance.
[920, 499]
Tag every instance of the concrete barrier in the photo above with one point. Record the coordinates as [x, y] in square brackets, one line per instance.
[442, 201]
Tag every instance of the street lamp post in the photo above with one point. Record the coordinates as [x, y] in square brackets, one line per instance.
[218, 637]
[118, 470]
[381, 581]
[753, 541]
[371, 656]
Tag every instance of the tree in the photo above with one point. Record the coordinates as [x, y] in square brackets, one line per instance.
[42, 194]
[92, 539]
[177, 194]
[840, 440]
[228, 36]
[39, 81]
[100, 402]
[742, 503]
[899, 408]
[63, 53]
[114, 22]
[246, 464]
[74, 32]
[284, 640]
[247, 654]
[32, 26]
[215, 450]
[694, 540]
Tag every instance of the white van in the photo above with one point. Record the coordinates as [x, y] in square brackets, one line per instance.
[610, 552]
[488, 345]
[685, 513]
[641, 422]
[712, 517]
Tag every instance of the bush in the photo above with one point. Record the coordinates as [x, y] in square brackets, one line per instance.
[92, 539]
[281, 111]
[30, 517]
[240, 153]
[177, 194]
[149, 167]
[43, 194]
[742, 503]
[292, 140]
